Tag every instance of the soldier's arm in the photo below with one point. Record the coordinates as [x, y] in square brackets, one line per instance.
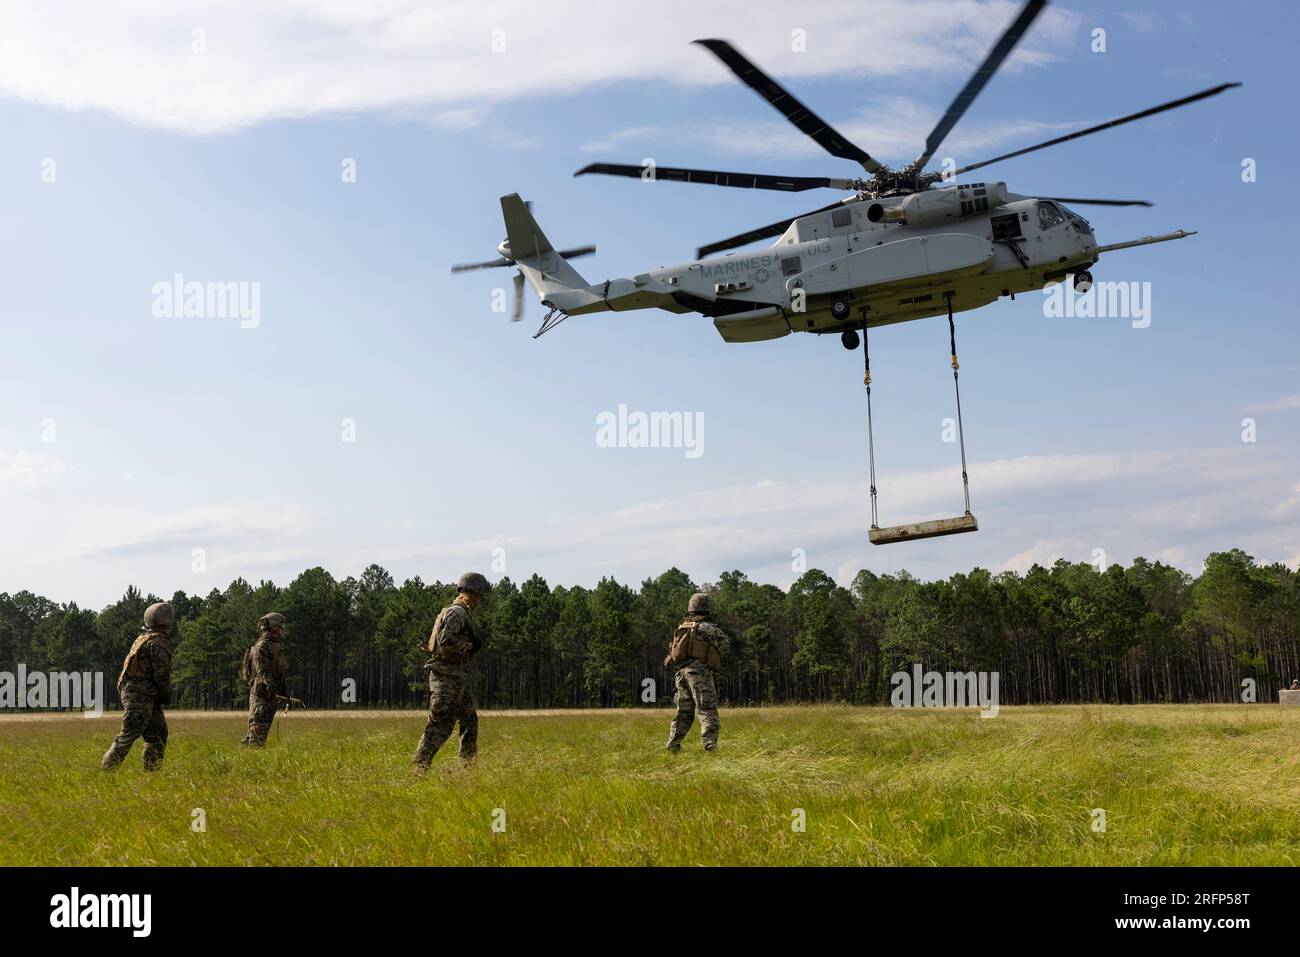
[282, 670]
[161, 658]
[456, 637]
[263, 671]
[717, 636]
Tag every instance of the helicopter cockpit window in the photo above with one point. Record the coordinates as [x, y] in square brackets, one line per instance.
[841, 217]
[1076, 221]
[790, 266]
[1049, 215]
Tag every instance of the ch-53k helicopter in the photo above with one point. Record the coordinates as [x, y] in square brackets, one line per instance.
[905, 245]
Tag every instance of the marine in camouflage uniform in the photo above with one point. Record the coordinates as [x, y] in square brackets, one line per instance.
[145, 687]
[696, 690]
[452, 645]
[266, 667]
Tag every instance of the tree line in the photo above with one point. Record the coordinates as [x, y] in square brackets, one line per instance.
[1069, 633]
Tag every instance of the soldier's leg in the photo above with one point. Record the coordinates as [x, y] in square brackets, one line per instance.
[155, 739]
[705, 693]
[685, 716]
[468, 727]
[444, 709]
[251, 736]
[135, 718]
[261, 712]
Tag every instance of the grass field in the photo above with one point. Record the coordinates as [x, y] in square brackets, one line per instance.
[1179, 785]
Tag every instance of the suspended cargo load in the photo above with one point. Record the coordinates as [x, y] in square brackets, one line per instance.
[933, 529]
[941, 526]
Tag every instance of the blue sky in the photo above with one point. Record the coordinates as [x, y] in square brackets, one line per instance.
[127, 441]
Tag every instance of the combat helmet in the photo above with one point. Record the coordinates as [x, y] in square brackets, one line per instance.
[272, 621]
[700, 604]
[159, 617]
[473, 581]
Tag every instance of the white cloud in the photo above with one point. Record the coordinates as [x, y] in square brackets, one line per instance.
[1142, 22]
[1176, 506]
[1290, 504]
[446, 552]
[214, 528]
[1175, 555]
[237, 563]
[1277, 405]
[1043, 553]
[848, 570]
[893, 129]
[29, 470]
[1125, 503]
[136, 59]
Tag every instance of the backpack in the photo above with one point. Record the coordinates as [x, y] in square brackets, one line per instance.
[687, 644]
[246, 667]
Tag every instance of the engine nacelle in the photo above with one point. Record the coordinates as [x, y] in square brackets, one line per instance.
[937, 206]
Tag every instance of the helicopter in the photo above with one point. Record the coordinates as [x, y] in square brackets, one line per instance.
[906, 243]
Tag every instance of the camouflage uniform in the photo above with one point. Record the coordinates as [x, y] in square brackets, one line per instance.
[696, 690]
[266, 667]
[145, 687]
[452, 645]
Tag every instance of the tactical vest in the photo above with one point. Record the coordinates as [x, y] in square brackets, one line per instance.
[442, 653]
[133, 667]
[279, 664]
[688, 644]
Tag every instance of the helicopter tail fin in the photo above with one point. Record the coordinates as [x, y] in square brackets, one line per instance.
[546, 270]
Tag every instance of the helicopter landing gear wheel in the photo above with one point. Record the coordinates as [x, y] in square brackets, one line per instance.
[1082, 281]
[849, 339]
[839, 309]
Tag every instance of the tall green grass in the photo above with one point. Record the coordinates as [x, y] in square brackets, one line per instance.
[1178, 784]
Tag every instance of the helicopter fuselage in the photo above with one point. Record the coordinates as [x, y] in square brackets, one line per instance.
[838, 269]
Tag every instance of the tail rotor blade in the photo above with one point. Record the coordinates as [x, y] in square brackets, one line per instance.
[577, 252]
[519, 297]
[490, 264]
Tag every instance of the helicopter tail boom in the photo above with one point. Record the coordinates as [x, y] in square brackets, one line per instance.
[542, 264]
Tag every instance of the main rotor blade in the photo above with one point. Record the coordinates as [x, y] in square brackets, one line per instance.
[763, 232]
[576, 252]
[1001, 50]
[805, 119]
[465, 267]
[713, 177]
[1204, 94]
[1100, 202]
